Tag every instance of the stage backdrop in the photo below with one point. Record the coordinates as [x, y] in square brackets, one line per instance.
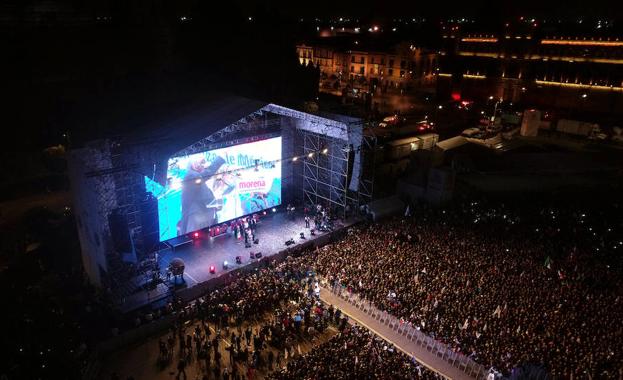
[207, 188]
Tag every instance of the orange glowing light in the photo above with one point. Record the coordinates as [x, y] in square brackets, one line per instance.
[474, 39]
[579, 85]
[582, 43]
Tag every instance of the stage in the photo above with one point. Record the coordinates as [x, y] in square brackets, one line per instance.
[273, 230]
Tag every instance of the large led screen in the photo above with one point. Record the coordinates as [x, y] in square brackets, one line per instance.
[216, 186]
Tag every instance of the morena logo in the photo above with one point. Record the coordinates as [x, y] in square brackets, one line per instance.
[251, 184]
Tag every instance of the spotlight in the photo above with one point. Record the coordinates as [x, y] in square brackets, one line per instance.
[198, 181]
[225, 264]
[212, 269]
[310, 155]
[196, 235]
[295, 158]
[274, 209]
[325, 150]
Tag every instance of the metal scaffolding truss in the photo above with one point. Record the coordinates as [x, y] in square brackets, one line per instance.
[96, 159]
[117, 184]
[318, 124]
[325, 175]
[95, 198]
[328, 168]
[255, 121]
[268, 117]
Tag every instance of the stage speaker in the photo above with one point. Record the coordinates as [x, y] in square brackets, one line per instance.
[258, 255]
[119, 231]
[150, 229]
[351, 164]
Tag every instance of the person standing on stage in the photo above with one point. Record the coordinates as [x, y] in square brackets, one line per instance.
[306, 221]
[253, 223]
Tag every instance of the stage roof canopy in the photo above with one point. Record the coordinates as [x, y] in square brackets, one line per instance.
[194, 122]
[172, 125]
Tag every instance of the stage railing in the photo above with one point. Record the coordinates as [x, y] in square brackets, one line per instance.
[411, 333]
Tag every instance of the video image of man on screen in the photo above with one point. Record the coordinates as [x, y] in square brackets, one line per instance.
[224, 187]
[199, 203]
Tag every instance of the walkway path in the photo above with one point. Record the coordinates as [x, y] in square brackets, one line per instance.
[430, 355]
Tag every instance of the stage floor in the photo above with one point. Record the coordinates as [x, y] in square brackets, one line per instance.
[272, 231]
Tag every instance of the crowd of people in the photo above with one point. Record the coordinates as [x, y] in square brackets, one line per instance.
[506, 288]
[264, 316]
[256, 315]
[355, 353]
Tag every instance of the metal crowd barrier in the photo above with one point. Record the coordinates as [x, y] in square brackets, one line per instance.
[406, 329]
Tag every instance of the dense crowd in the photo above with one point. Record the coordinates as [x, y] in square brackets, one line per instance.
[264, 317]
[246, 300]
[503, 288]
[355, 353]
[237, 315]
[506, 286]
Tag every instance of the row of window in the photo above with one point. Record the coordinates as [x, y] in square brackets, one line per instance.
[306, 54]
[428, 65]
[362, 60]
[390, 72]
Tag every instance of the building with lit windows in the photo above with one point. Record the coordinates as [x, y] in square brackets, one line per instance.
[573, 73]
[351, 65]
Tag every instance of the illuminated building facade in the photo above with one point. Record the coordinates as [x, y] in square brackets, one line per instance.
[401, 67]
[575, 73]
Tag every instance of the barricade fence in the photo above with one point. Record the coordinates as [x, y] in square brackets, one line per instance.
[410, 332]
